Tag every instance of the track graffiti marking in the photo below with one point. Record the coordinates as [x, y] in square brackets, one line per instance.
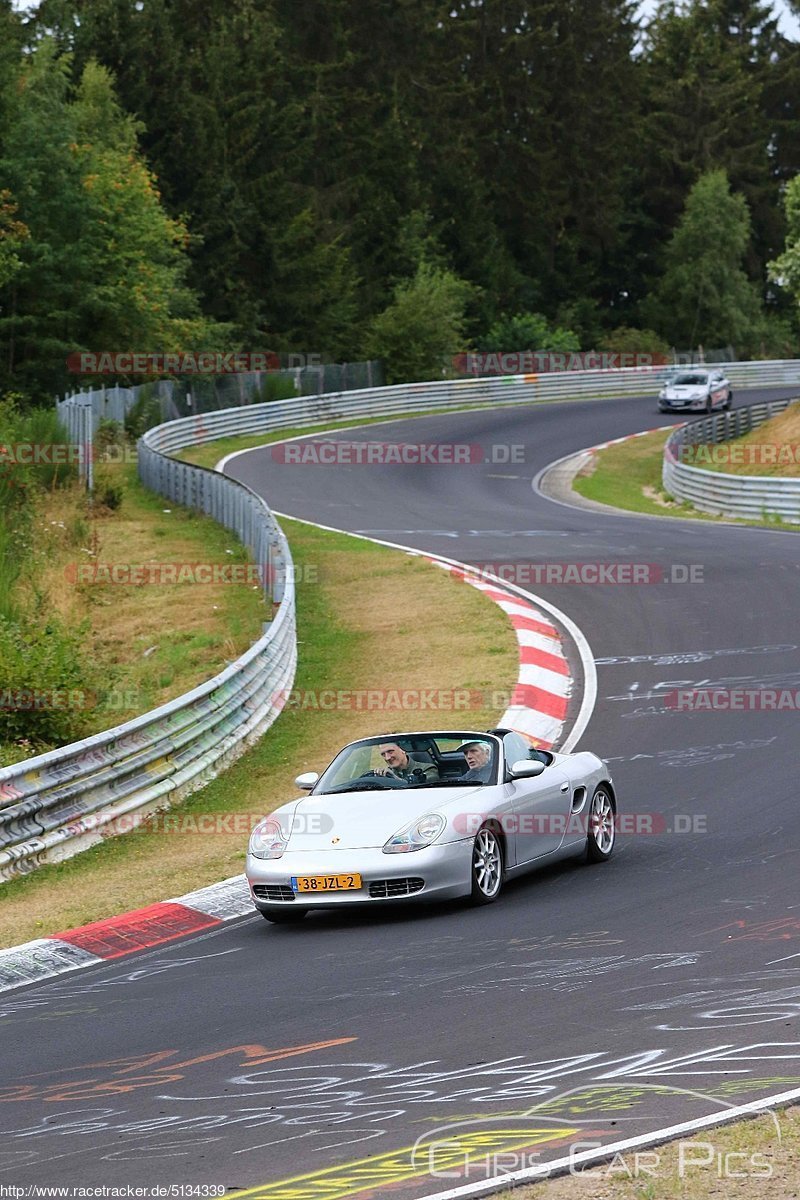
[780, 929]
[685, 657]
[327, 1104]
[444, 1158]
[125, 1076]
[694, 756]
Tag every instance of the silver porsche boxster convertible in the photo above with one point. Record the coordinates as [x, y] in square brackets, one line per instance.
[428, 816]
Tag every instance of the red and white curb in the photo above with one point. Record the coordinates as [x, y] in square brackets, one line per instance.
[628, 437]
[540, 699]
[125, 934]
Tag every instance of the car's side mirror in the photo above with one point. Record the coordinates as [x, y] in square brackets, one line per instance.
[527, 768]
[307, 780]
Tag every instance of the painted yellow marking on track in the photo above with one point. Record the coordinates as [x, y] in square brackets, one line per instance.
[451, 1155]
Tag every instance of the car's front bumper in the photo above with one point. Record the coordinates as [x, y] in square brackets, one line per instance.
[445, 871]
[683, 405]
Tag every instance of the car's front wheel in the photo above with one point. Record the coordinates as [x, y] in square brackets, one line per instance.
[284, 916]
[487, 866]
[729, 401]
[602, 832]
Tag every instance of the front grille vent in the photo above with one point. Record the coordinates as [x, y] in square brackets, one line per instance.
[272, 891]
[384, 889]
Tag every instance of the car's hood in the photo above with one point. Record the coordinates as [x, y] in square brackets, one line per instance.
[363, 820]
[686, 392]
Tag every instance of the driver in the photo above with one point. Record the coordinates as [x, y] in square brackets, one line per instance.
[401, 765]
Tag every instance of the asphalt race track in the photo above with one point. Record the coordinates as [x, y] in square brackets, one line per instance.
[590, 1004]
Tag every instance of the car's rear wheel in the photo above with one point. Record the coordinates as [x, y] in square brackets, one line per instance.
[601, 833]
[487, 865]
[284, 916]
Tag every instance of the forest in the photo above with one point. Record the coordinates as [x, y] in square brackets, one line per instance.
[402, 180]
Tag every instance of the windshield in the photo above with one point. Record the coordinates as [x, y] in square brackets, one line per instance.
[412, 761]
[696, 379]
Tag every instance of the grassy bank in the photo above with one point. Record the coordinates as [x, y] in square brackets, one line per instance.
[772, 449]
[628, 476]
[119, 648]
[361, 608]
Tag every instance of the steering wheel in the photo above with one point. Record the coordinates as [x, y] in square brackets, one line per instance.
[388, 780]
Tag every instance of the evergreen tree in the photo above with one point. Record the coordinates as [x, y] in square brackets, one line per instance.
[104, 266]
[705, 297]
[708, 70]
[39, 309]
[12, 234]
[423, 328]
[785, 269]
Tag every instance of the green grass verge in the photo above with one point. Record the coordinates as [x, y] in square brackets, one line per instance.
[628, 476]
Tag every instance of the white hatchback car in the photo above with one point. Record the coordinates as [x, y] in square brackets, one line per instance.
[696, 389]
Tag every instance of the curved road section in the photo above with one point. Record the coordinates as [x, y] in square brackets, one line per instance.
[430, 1050]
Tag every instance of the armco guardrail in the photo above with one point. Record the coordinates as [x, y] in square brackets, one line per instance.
[750, 496]
[403, 399]
[60, 803]
[56, 804]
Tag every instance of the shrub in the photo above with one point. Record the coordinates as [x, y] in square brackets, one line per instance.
[144, 413]
[46, 674]
[627, 340]
[109, 435]
[107, 493]
[527, 331]
[422, 330]
[277, 387]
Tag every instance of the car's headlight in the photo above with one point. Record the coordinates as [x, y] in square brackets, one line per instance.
[416, 835]
[662, 395]
[268, 839]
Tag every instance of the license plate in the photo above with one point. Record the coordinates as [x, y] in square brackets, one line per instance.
[326, 883]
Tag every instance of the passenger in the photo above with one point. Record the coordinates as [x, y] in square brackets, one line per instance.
[479, 762]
